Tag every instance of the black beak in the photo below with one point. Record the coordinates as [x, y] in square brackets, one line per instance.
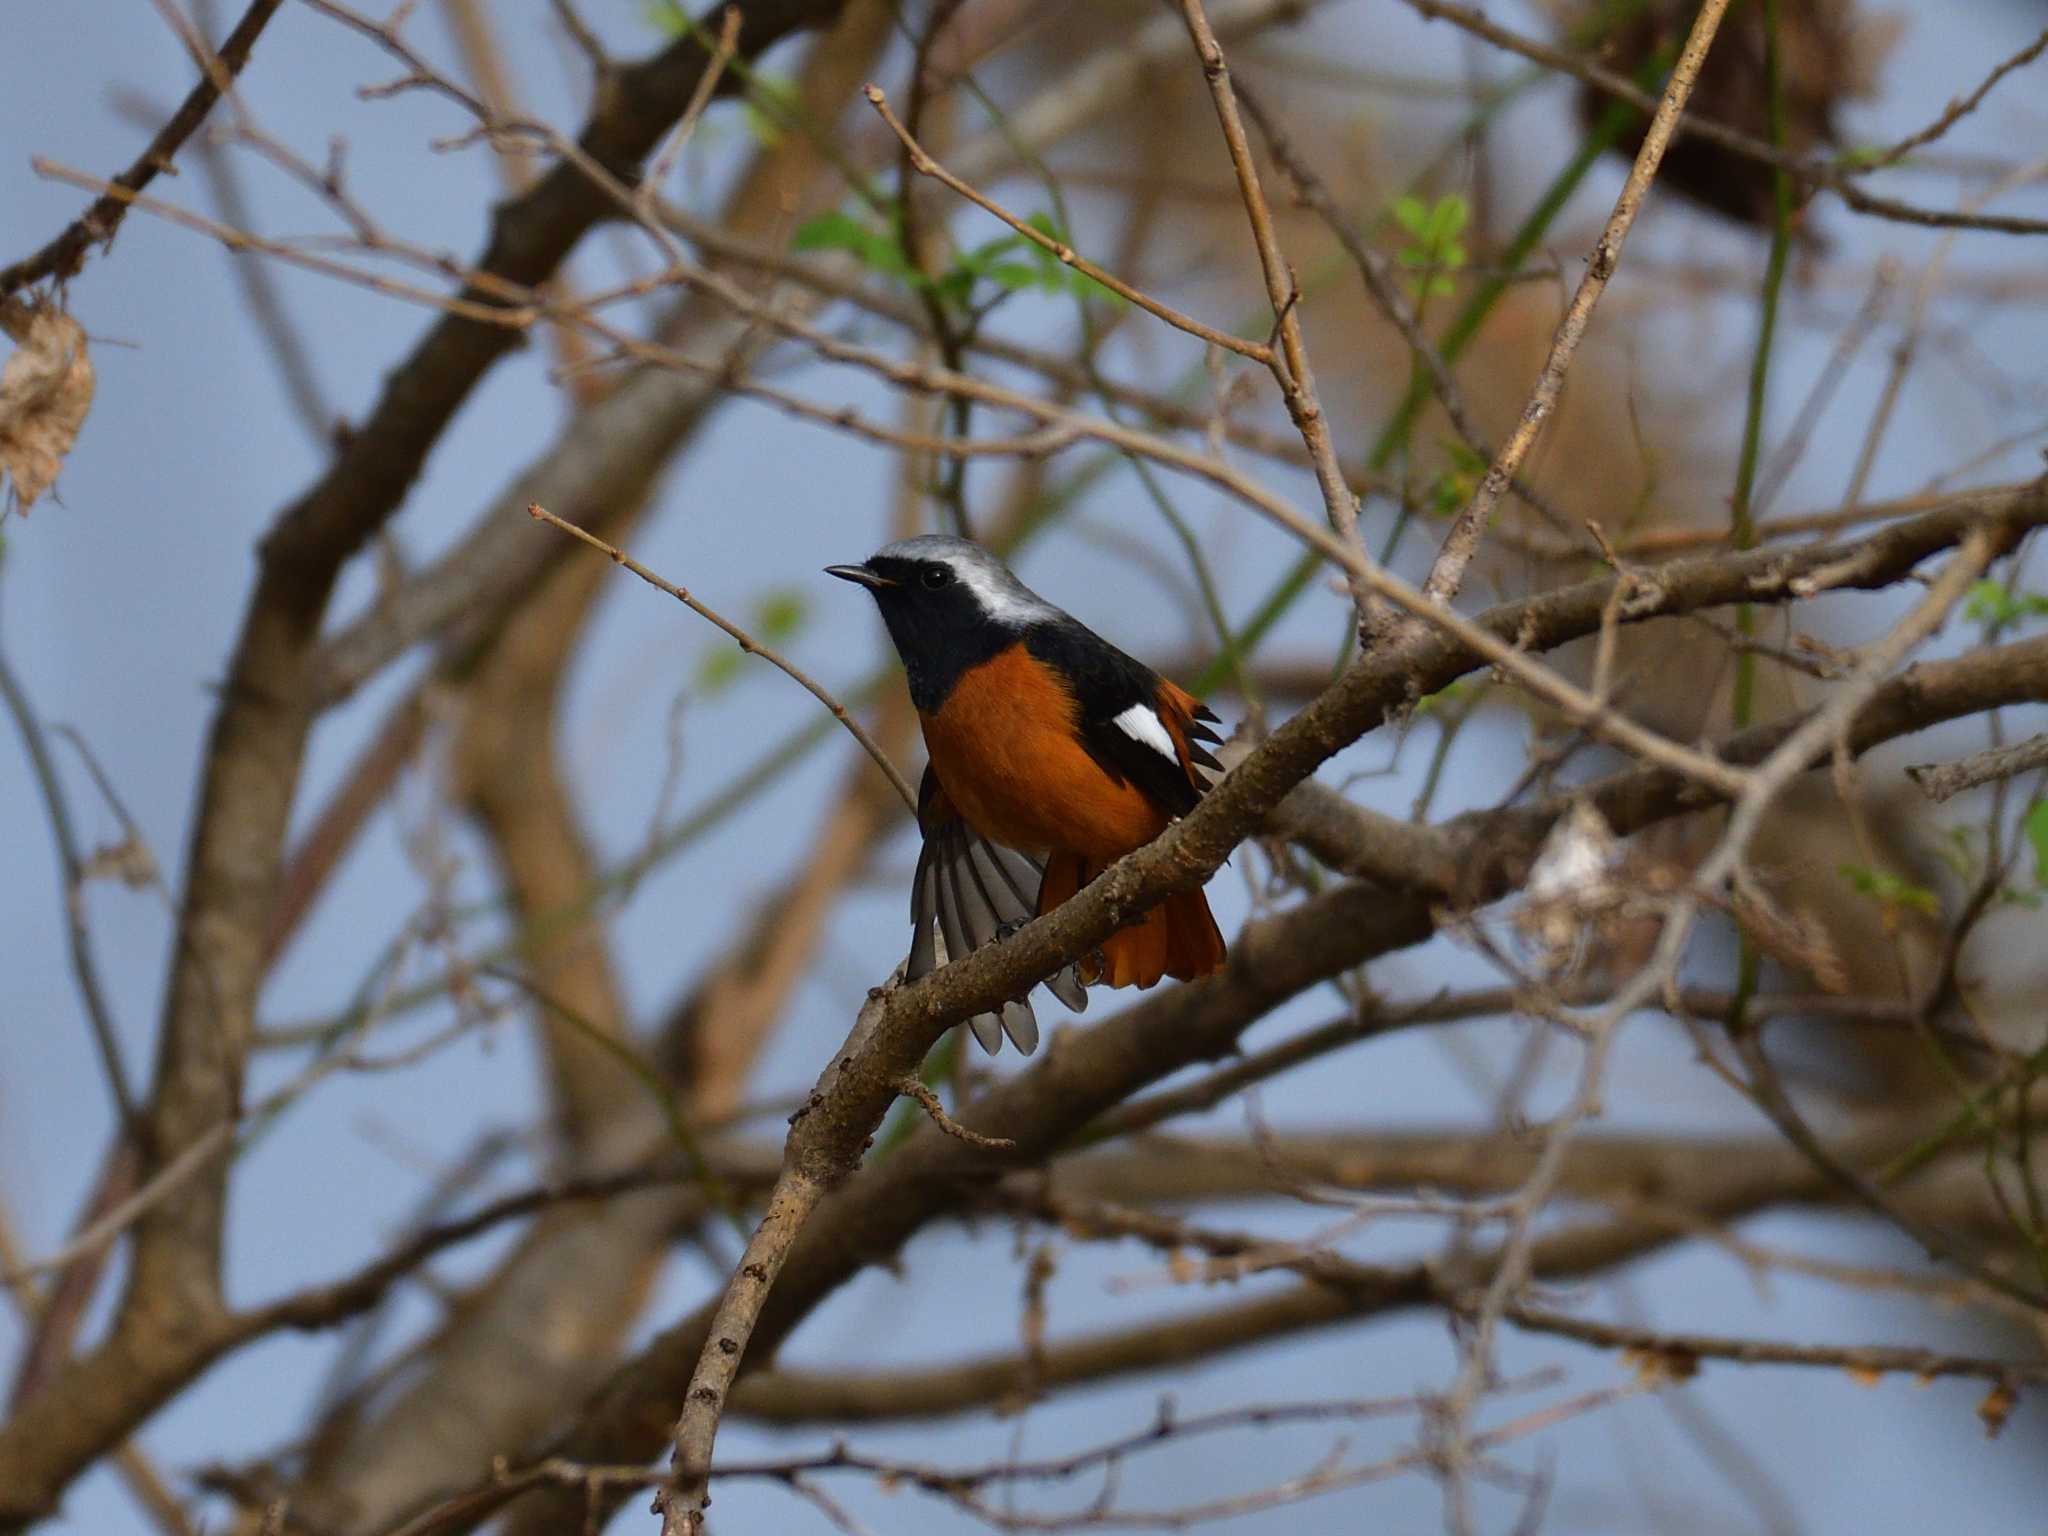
[861, 574]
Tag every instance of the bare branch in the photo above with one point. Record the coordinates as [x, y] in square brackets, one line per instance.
[1447, 572]
[1944, 781]
[64, 255]
[925, 165]
[747, 643]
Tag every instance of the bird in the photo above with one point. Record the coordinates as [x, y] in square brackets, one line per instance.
[1050, 754]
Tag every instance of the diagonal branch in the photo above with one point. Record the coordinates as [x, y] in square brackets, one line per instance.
[1106, 1064]
[65, 255]
[253, 761]
[1447, 572]
[1297, 382]
[747, 643]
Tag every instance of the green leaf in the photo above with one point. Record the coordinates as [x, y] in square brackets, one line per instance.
[1016, 276]
[1049, 227]
[1891, 890]
[772, 103]
[1994, 605]
[1454, 484]
[837, 230]
[779, 614]
[2036, 826]
[1411, 215]
[1958, 851]
[666, 17]
[990, 253]
[718, 670]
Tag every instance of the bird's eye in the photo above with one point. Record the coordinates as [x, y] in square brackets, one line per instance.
[935, 576]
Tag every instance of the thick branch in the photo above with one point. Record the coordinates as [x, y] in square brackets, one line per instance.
[1094, 1070]
[252, 768]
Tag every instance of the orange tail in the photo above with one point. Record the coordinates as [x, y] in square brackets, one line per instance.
[1177, 938]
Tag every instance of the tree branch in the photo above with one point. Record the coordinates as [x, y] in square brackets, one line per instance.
[64, 256]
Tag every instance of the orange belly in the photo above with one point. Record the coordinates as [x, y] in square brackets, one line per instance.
[1004, 748]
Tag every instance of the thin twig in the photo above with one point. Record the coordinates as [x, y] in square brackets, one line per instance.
[1944, 781]
[63, 256]
[71, 873]
[921, 1091]
[1856, 1359]
[1258, 352]
[1837, 177]
[1296, 380]
[1460, 543]
[686, 125]
[746, 642]
[1958, 109]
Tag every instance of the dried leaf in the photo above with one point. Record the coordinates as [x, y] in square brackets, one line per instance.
[128, 861]
[1656, 1368]
[1577, 857]
[45, 392]
[1570, 885]
[1793, 940]
[1997, 1407]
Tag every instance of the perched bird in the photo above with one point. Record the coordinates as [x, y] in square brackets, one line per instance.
[1052, 754]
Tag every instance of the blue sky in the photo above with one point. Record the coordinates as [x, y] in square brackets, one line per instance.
[118, 609]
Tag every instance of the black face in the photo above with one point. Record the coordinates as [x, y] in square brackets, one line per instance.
[937, 623]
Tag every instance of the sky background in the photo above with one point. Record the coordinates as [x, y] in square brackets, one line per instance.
[118, 608]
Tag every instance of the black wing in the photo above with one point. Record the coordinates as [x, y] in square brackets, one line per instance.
[1107, 683]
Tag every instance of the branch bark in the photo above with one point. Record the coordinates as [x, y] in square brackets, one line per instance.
[64, 256]
[1088, 1072]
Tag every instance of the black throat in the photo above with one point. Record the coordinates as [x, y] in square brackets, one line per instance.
[941, 642]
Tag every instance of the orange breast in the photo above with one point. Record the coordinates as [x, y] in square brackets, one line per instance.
[1004, 747]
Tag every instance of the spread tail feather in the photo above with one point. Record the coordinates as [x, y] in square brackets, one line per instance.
[968, 892]
[1177, 938]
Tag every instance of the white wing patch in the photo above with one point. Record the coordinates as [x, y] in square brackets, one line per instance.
[1141, 723]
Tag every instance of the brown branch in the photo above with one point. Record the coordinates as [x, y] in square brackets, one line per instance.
[747, 643]
[934, 1107]
[1714, 1193]
[1447, 571]
[1858, 1360]
[1944, 781]
[1836, 178]
[252, 771]
[323, 845]
[1271, 961]
[33, 1303]
[63, 257]
[925, 165]
[1291, 367]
